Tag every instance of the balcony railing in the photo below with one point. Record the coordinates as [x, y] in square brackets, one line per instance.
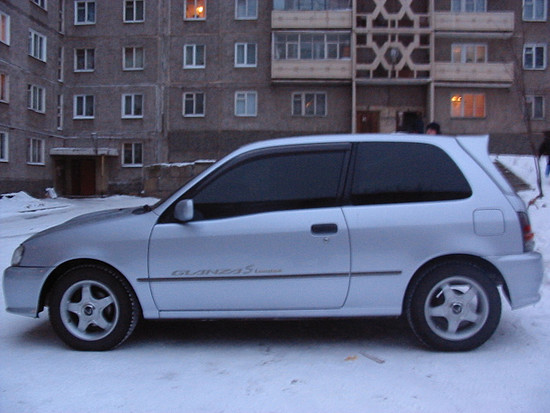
[496, 22]
[312, 69]
[474, 72]
[329, 19]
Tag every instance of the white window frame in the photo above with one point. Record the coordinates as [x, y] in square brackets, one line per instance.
[4, 88]
[133, 63]
[89, 62]
[4, 28]
[479, 57]
[250, 107]
[532, 49]
[4, 147]
[304, 99]
[531, 106]
[130, 108]
[133, 147]
[536, 14]
[245, 54]
[133, 5]
[245, 5]
[87, 19]
[463, 6]
[194, 98]
[43, 4]
[36, 155]
[195, 5]
[193, 50]
[38, 45]
[36, 98]
[85, 103]
[460, 104]
[290, 45]
[59, 112]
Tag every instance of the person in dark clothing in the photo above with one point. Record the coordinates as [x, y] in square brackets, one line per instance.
[433, 128]
[544, 149]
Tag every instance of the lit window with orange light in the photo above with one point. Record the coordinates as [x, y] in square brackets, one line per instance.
[195, 9]
[468, 105]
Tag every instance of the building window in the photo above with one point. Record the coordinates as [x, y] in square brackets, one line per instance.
[246, 104]
[41, 3]
[469, 6]
[132, 154]
[309, 104]
[535, 107]
[312, 5]
[60, 63]
[469, 53]
[195, 9]
[132, 106]
[535, 10]
[36, 151]
[534, 56]
[61, 18]
[194, 56]
[37, 45]
[4, 28]
[246, 9]
[84, 12]
[4, 88]
[84, 107]
[36, 98]
[245, 55]
[59, 112]
[468, 105]
[134, 11]
[316, 46]
[4, 147]
[133, 58]
[193, 104]
[84, 60]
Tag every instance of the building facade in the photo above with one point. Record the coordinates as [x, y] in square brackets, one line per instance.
[93, 92]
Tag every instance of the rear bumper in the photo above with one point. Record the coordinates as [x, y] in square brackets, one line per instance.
[523, 277]
[22, 286]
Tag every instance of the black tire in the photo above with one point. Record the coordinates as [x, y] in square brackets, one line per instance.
[453, 306]
[92, 308]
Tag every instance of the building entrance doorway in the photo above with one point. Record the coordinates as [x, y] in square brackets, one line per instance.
[76, 176]
[368, 122]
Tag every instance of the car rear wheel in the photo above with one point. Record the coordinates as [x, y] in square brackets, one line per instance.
[92, 308]
[453, 307]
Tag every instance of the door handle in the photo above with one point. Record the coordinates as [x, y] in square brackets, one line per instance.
[324, 229]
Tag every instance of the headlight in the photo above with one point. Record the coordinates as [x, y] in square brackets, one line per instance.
[17, 256]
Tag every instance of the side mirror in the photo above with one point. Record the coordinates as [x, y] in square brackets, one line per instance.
[184, 210]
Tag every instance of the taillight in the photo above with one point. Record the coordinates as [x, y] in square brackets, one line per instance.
[528, 235]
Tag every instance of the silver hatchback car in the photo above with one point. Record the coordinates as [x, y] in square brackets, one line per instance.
[326, 226]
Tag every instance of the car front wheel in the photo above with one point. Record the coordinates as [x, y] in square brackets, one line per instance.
[453, 307]
[92, 308]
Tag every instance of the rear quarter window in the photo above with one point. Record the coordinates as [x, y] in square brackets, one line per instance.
[399, 172]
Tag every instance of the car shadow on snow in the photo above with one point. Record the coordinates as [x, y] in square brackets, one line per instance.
[392, 332]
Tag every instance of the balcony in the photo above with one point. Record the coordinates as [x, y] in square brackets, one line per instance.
[490, 23]
[311, 69]
[326, 19]
[476, 73]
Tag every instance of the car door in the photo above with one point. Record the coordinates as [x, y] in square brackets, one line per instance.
[268, 234]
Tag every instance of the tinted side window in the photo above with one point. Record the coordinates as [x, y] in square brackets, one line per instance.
[274, 182]
[393, 172]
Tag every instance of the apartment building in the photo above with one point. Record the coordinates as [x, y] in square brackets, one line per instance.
[93, 92]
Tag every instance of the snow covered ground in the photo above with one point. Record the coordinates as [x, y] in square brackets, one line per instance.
[270, 366]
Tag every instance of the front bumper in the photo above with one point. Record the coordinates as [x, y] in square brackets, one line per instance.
[22, 286]
[523, 276]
